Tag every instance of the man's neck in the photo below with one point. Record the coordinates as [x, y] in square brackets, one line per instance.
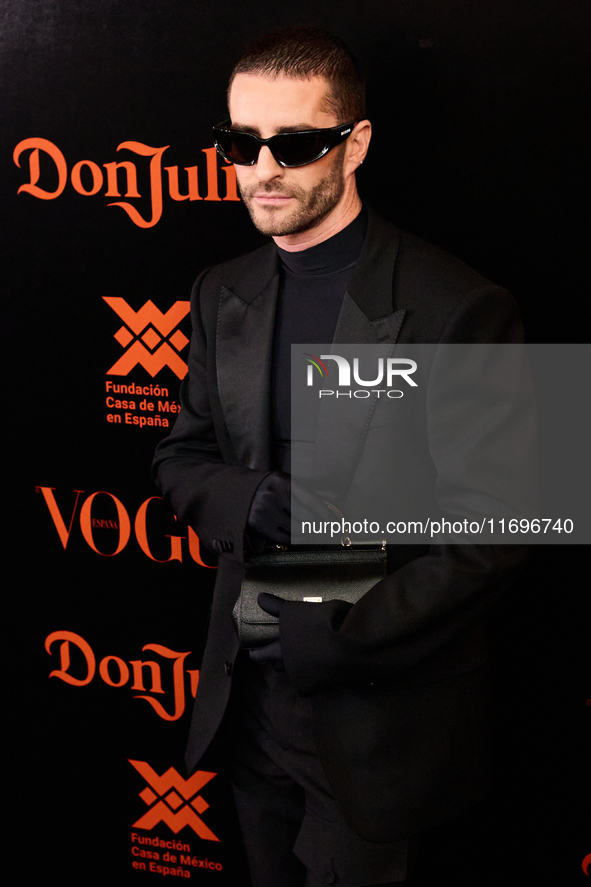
[342, 215]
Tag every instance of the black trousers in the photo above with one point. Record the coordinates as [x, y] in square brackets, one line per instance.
[293, 830]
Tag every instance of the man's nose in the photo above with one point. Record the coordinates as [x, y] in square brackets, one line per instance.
[267, 166]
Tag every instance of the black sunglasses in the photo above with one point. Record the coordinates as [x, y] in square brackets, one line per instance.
[288, 148]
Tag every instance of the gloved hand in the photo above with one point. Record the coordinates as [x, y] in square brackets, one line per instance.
[271, 512]
[270, 653]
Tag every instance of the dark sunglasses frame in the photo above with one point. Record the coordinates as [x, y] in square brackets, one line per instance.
[332, 136]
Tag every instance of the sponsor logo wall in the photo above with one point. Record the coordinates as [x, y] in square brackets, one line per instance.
[115, 201]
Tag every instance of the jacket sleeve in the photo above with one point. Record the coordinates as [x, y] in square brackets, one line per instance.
[418, 612]
[194, 466]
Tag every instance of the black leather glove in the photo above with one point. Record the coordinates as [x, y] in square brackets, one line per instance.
[271, 512]
[270, 653]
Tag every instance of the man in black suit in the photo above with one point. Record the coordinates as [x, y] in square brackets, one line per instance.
[362, 725]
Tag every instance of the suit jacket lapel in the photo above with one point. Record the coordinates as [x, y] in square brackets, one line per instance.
[371, 282]
[366, 317]
[246, 315]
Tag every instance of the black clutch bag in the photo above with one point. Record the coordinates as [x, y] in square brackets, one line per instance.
[344, 574]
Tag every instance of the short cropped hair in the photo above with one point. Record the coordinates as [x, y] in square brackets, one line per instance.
[310, 52]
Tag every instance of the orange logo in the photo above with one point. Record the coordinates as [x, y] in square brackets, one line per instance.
[174, 800]
[587, 863]
[115, 672]
[122, 525]
[47, 162]
[149, 327]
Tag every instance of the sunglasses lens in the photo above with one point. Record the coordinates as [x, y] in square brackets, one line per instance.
[298, 148]
[289, 149]
[238, 147]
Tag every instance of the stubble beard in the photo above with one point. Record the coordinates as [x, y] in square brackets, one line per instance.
[312, 206]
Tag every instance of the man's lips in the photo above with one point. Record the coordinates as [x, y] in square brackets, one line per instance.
[276, 199]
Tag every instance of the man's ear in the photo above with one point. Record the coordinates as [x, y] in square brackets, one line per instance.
[357, 145]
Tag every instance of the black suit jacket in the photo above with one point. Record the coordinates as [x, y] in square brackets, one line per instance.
[396, 681]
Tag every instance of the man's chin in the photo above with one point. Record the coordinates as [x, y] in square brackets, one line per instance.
[274, 222]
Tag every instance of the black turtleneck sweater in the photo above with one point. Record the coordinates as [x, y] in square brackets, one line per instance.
[311, 289]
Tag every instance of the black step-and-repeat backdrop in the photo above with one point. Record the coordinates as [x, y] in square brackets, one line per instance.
[114, 200]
